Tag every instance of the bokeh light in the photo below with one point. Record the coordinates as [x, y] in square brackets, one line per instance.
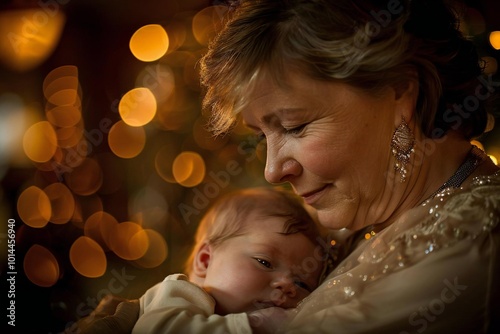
[490, 65]
[149, 43]
[184, 22]
[177, 32]
[40, 142]
[207, 22]
[75, 155]
[34, 208]
[13, 121]
[126, 141]
[99, 226]
[24, 42]
[57, 73]
[159, 79]
[138, 244]
[495, 39]
[369, 235]
[62, 88]
[69, 137]
[157, 251]
[63, 92]
[87, 257]
[64, 116]
[474, 22]
[41, 266]
[189, 169]
[62, 202]
[137, 107]
[163, 163]
[85, 206]
[148, 207]
[86, 178]
[128, 241]
[176, 112]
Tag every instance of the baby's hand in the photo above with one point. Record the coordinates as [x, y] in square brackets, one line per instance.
[269, 320]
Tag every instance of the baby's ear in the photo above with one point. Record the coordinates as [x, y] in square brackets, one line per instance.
[201, 260]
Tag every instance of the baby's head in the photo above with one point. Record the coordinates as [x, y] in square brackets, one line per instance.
[257, 248]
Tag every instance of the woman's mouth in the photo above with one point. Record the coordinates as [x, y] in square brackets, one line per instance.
[312, 196]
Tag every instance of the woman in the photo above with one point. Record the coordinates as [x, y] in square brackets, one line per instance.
[368, 109]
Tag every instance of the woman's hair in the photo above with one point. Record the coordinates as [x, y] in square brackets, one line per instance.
[229, 217]
[366, 44]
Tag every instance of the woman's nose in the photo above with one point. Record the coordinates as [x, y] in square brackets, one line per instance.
[280, 166]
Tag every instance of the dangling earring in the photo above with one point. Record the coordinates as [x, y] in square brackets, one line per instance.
[402, 144]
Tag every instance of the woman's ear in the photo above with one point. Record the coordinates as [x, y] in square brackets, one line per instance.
[406, 95]
[202, 260]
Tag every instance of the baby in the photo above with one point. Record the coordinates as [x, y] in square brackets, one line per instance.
[254, 249]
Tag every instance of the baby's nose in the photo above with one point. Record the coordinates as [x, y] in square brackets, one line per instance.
[284, 291]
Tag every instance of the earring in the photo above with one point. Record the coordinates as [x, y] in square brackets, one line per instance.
[402, 144]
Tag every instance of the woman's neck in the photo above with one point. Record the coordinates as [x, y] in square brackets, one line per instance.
[441, 159]
[433, 164]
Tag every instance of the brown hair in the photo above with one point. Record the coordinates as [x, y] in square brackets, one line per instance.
[368, 44]
[228, 217]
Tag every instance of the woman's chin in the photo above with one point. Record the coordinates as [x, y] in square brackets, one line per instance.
[330, 219]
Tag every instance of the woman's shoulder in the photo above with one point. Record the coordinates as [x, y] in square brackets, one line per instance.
[452, 216]
[467, 211]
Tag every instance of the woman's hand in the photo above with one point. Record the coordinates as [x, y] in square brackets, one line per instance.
[269, 320]
[113, 315]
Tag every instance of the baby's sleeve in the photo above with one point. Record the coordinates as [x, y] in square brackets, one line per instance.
[179, 306]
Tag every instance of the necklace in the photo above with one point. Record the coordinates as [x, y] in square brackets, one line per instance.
[469, 165]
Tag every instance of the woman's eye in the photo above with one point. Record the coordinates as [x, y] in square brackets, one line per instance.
[265, 263]
[295, 130]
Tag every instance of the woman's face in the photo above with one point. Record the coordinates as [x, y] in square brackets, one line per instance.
[331, 142]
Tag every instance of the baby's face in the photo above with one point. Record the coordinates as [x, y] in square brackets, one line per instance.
[263, 268]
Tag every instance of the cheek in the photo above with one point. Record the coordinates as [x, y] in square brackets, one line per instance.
[237, 282]
[359, 152]
[251, 281]
[324, 157]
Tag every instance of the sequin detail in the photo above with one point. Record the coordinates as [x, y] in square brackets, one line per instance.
[451, 216]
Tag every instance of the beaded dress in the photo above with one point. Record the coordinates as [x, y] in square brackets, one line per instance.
[435, 270]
